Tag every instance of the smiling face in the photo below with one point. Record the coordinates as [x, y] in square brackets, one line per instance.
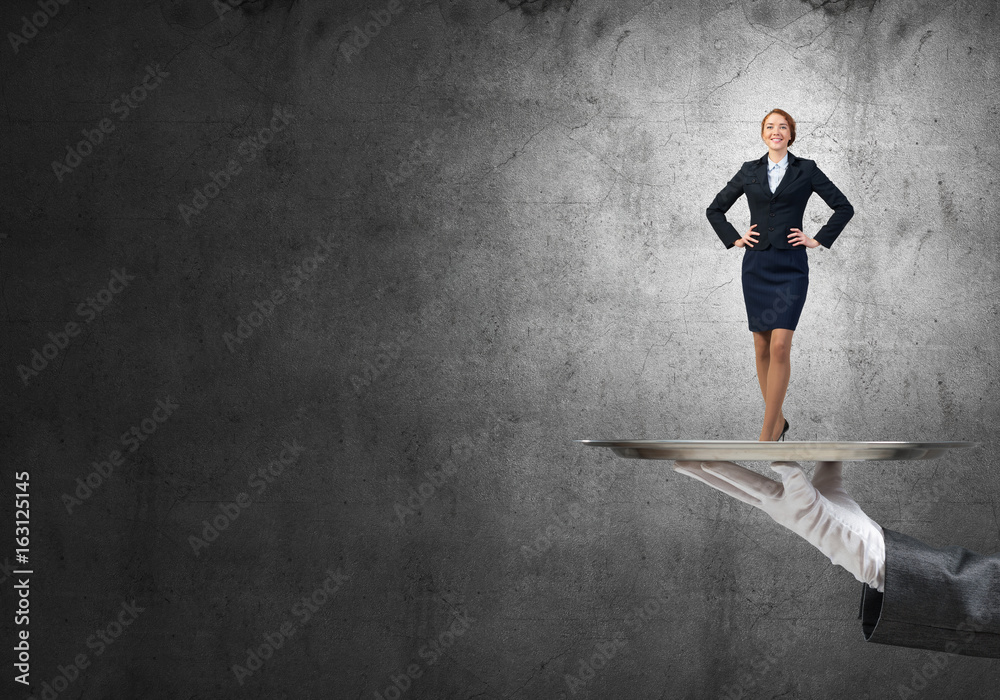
[776, 132]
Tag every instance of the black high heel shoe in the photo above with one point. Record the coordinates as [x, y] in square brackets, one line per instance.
[785, 430]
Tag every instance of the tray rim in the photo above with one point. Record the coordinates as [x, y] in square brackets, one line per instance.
[753, 450]
[948, 444]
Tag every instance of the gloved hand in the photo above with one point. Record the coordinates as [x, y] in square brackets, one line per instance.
[820, 512]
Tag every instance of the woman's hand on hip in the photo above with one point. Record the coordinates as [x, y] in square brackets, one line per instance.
[749, 238]
[796, 237]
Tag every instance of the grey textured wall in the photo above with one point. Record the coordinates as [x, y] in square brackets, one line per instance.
[357, 295]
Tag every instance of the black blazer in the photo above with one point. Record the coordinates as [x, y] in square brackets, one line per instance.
[775, 214]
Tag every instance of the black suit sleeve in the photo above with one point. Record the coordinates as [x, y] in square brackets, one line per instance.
[942, 599]
[835, 199]
[716, 211]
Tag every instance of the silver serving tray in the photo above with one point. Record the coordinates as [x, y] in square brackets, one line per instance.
[718, 450]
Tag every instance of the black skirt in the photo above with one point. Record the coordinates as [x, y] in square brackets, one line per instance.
[775, 283]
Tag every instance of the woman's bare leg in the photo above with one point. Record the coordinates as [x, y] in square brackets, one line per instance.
[779, 369]
[762, 356]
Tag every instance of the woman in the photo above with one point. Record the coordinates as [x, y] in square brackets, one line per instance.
[775, 270]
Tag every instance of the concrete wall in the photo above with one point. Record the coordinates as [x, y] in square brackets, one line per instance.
[457, 246]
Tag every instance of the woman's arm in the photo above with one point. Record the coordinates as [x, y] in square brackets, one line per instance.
[835, 199]
[716, 211]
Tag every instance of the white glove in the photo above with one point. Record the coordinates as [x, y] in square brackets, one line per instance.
[820, 512]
